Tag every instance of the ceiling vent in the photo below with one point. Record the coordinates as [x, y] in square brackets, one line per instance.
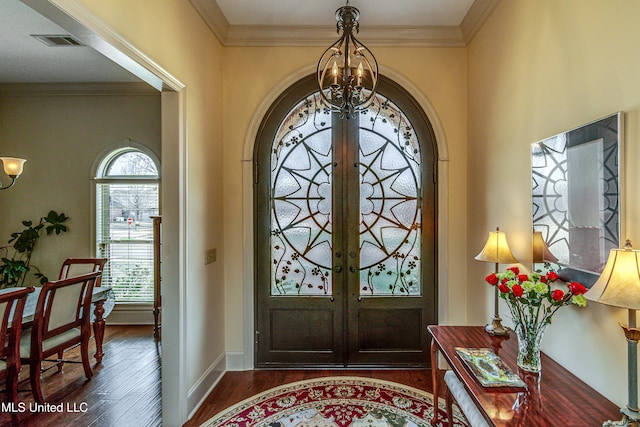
[57, 40]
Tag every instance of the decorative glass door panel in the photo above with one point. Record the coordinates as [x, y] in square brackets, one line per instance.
[301, 215]
[341, 207]
[389, 203]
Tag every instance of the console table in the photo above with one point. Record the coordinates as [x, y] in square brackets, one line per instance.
[555, 397]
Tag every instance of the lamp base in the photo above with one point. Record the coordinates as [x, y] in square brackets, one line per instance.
[629, 418]
[495, 327]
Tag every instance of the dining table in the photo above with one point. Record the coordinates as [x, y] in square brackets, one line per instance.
[102, 302]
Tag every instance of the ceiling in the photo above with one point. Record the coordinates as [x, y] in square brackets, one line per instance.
[313, 22]
[375, 12]
[25, 59]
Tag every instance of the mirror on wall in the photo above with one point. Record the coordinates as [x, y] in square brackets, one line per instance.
[576, 197]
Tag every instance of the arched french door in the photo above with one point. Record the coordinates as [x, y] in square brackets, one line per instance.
[345, 232]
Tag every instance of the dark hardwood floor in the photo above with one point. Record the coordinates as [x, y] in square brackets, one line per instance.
[237, 386]
[125, 389]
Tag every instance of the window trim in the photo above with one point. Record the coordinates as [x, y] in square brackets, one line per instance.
[107, 158]
[101, 164]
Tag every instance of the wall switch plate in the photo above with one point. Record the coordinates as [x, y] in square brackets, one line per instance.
[209, 256]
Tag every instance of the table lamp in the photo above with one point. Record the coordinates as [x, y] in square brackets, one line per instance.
[496, 250]
[541, 251]
[619, 286]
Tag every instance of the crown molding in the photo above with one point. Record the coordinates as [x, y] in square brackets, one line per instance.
[213, 17]
[476, 16]
[269, 35]
[290, 35]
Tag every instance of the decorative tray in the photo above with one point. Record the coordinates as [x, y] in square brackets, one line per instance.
[488, 368]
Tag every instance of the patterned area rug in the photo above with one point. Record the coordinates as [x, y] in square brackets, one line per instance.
[336, 402]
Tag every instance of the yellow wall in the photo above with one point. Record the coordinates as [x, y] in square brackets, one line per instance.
[251, 74]
[538, 68]
[173, 35]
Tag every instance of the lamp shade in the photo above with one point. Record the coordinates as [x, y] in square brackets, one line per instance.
[541, 251]
[12, 166]
[619, 283]
[496, 249]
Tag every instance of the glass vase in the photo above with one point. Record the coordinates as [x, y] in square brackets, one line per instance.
[529, 341]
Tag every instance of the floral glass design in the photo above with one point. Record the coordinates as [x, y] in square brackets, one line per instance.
[389, 202]
[301, 214]
[389, 195]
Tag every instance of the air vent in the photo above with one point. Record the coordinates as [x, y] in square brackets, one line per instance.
[57, 40]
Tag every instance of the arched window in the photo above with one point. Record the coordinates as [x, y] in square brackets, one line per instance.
[127, 197]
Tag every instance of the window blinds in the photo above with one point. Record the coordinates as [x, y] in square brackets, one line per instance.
[124, 235]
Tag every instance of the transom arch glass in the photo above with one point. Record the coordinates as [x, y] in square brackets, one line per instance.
[129, 163]
[390, 197]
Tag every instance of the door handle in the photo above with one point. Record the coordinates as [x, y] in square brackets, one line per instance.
[353, 269]
[338, 269]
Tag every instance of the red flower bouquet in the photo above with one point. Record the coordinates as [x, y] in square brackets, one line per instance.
[533, 299]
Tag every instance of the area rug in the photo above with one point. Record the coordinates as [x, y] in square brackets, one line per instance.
[336, 402]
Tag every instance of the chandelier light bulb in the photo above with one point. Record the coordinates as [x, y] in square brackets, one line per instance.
[345, 87]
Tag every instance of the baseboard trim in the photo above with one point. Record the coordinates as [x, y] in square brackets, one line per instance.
[131, 314]
[203, 387]
[235, 361]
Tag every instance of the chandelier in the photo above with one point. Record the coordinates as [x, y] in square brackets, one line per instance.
[347, 71]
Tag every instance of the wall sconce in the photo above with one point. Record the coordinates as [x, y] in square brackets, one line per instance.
[496, 250]
[13, 168]
[619, 286]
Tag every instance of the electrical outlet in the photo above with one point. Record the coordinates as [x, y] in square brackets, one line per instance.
[209, 256]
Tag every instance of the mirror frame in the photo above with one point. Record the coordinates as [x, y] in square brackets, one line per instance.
[579, 237]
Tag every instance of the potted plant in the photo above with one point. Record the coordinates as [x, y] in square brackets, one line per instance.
[15, 261]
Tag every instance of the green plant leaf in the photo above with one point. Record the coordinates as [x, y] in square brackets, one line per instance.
[55, 221]
[13, 269]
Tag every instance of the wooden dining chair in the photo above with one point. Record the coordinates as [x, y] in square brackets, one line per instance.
[61, 321]
[11, 309]
[77, 266]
